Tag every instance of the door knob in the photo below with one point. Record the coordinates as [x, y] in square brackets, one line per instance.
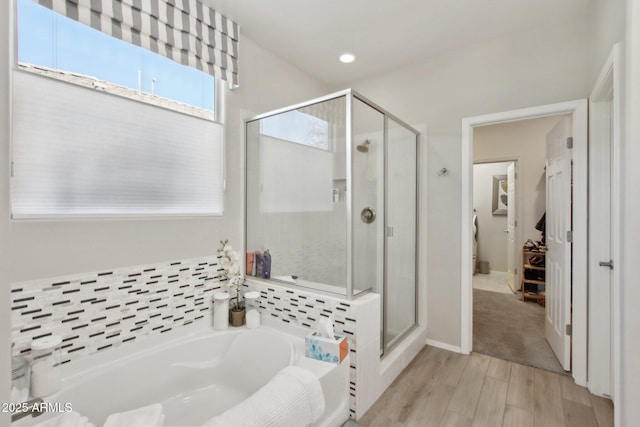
[606, 264]
[368, 215]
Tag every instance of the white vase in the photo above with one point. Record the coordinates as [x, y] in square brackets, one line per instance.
[220, 311]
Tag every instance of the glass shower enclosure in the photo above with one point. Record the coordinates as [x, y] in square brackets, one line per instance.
[332, 195]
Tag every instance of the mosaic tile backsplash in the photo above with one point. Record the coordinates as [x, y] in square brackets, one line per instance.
[96, 311]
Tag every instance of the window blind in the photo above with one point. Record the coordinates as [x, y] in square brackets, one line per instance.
[185, 31]
[81, 152]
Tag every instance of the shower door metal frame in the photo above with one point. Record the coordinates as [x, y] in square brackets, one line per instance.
[385, 282]
[349, 94]
[349, 200]
[348, 140]
[387, 346]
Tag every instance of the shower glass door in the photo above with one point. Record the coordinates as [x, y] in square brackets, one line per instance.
[401, 219]
[367, 160]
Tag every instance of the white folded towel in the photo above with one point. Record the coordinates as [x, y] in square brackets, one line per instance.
[68, 419]
[293, 398]
[19, 394]
[147, 416]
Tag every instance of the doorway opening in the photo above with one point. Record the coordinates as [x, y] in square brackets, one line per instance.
[493, 211]
[568, 327]
[509, 201]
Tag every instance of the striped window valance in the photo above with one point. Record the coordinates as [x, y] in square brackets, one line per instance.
[185, 31]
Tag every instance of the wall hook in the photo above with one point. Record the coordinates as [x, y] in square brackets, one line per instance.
[443, 172]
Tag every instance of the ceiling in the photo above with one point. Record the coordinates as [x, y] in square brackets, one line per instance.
[383, 34]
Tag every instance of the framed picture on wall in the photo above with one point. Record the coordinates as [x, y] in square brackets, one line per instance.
[500, 195]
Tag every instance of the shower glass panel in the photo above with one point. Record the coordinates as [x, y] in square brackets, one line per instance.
[331, 193]
[296, 194]
[367, 159]
[401, 220]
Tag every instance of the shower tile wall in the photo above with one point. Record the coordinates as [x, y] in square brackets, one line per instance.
[95, 311]
[311, 246]
[305, 240]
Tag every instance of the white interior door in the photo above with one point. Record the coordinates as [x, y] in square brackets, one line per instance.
[511, 226]
[558, 257]
[600, 247]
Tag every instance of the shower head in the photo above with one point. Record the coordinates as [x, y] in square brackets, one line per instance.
[364, 147]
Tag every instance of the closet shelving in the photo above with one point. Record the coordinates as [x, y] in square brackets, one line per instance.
[531, 286]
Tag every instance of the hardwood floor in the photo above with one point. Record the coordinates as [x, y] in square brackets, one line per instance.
[444, 389]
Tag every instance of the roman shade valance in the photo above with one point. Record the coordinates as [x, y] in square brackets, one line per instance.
[185, 31]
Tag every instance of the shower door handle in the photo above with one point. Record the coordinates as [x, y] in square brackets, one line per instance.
[368, 215]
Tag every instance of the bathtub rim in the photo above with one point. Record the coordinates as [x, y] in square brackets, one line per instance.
[74, 371]
[79, 372]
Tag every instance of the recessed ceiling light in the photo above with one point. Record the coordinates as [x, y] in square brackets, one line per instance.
[347, 58]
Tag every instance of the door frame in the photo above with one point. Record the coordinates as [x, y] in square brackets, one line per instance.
[608, 82]
[512, 222]
[578, 110]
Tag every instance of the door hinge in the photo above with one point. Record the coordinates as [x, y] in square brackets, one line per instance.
[570, 236]
[568, 329]
[570, 142]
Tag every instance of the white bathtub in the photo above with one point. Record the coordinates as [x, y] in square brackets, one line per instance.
[194, 376]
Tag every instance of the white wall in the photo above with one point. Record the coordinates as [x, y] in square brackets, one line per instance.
[41, 249]
[535, 67]
[606, 27]
[5, 329]
[492, 240]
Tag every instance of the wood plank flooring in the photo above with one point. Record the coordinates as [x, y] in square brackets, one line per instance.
[444, 389]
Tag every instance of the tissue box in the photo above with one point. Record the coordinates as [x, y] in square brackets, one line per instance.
[325, 349]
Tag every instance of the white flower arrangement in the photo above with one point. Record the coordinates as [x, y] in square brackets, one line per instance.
[229, 261]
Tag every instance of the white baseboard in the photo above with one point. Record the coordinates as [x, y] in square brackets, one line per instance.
[444, 346]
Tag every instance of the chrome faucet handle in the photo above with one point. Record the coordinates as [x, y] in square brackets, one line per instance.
[32, 408]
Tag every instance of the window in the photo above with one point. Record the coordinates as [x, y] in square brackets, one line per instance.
[92, 141]
[296, 126]
[304, 140]
[59, 47]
